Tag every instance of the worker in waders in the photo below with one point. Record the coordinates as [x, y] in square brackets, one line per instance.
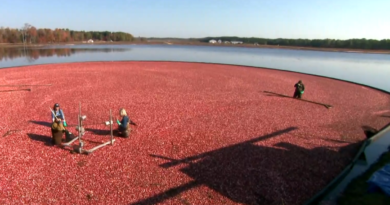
[299, 89]
[59, 124]
[123, 125]
[59, 115]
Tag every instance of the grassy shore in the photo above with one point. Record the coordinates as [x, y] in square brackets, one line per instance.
[196, 43]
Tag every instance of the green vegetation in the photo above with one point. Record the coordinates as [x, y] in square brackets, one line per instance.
[317, 43]
[30, 34]
[356, 191]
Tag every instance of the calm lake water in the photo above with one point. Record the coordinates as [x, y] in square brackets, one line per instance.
[368, 69]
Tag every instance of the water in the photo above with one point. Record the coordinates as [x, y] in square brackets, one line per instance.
[368, 69]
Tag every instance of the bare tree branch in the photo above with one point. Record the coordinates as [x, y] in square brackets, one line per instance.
[25, 29]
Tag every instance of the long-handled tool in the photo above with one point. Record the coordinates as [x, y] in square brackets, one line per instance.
[326, 105]
[15, 90]
[10, 131]
[65, 125]
[55, 115]
[22, 85]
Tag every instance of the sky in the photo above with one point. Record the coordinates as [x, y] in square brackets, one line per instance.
[312, 19]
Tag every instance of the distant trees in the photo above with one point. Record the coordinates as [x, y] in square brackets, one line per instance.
[318, 43]
[30, 34]
[25, 31]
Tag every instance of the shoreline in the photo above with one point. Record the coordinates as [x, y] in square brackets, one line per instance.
[189, 43]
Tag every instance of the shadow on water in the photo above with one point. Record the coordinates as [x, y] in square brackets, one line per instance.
[370, 154]
[277, 95]
[70, 128]
[251, 174]
[335, 141]
[43, 123]
[98, 131]
[33, 54]
[369, 131]
[272, 94]
[41, 138]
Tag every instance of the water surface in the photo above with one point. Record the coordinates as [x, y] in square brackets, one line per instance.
[368, 69]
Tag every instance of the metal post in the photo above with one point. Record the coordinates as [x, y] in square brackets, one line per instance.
[81, 133]
[79, 122]
[111, 122]
[81, 144]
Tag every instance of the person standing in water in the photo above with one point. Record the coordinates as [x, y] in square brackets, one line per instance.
[299, 89]
[59, 124]
[124, 125]
[58, 115]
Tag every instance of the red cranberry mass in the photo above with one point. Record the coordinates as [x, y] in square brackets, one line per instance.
[205, 134]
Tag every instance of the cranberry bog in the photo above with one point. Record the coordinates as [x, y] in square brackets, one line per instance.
[205, 134]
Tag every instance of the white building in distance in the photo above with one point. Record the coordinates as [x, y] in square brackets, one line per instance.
[236, 42]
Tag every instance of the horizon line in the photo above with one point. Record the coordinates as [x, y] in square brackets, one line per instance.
[266, 38]
[227, 36]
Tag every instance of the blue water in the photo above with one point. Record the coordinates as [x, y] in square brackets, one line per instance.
[368, 69]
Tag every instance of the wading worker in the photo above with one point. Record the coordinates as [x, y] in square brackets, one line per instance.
[123, 125]
[59, 114]
[299, 89]
[59, 124]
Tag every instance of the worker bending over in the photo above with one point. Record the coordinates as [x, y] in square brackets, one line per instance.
[299, 89]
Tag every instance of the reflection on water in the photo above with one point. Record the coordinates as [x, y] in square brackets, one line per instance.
[368, 69]
[34, 54]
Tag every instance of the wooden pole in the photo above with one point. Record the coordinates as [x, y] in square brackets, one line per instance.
[80, 125]
[23, 85]
[111, 122]
[53, 113]
[10, 131]
[15, 90]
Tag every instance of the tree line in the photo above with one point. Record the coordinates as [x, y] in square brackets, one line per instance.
[318, 43]
[29, 34]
